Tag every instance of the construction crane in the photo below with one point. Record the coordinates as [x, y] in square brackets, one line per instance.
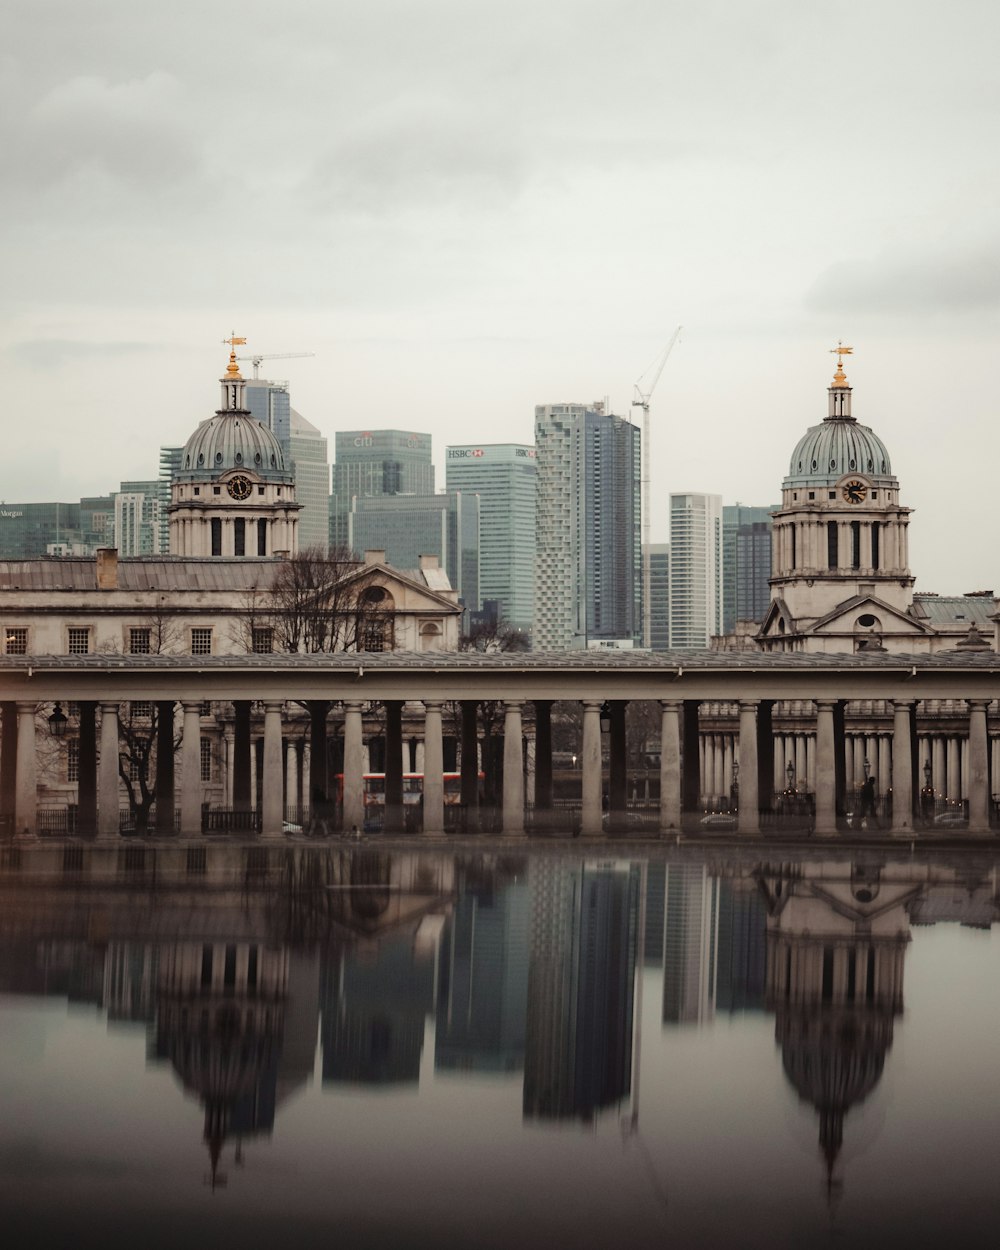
[256, 359]
[641, 400]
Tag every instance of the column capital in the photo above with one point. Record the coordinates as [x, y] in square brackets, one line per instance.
[273, 705]
[671, 705]
[749, 705]
[901, 705]
[592, 704]
[978, 705]
[825, 705]
[513, 705]
[189, 705]
[432, 705]
[353, 705]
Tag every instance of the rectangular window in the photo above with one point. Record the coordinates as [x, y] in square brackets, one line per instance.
[216, 536]
[201, 641]
[831, 544]
[262, 537]
[139, 641]
[73, 760]
[875, 551]
[239, 537]
[376, 636]
[855, 544]
[206, 759]
[263, 641]
[17, 641]
[141, 709]
[79, 640]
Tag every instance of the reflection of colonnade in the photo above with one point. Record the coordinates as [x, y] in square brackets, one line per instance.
[781, 713]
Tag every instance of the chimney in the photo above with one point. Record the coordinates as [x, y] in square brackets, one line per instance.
[429, 562]
[107, 568]
[375, 557]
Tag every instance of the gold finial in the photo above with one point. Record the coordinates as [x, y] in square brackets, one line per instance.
[840, 377]
[234, 341]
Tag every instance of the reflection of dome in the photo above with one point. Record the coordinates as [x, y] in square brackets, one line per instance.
[834, 1059]
[232, 440]
[837, 446]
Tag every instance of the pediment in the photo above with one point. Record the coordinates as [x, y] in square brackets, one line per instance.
[845, 618]
[409, 594]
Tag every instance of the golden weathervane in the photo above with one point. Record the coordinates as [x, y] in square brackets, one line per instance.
[840, 377]
[234, 341]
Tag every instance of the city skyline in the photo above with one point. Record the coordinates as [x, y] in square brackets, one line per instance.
[458, 238]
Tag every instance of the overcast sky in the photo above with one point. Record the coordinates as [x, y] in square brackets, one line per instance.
[467, 208]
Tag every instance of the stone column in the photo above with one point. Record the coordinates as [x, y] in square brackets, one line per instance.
[938, 775]
[165, 797]
[902, 769]
[191, 769]
[272, 793]
[107, 782]
[979, 768]
[826, 769]
[749, 811]
[354, 785]
[433, 795]
[26, 773]
[292, 779]
[802, 778]
[513, 770]
[670, 767]
[86, 795]
[591, 771]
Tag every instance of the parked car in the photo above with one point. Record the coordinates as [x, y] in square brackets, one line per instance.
[951, 817]
[718, 820]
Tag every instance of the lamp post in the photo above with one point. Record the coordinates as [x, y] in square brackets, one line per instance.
[734, 789]
[927, 793]
[605, 717]
[790, 774]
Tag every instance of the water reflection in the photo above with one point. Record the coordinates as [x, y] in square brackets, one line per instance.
[373, 971]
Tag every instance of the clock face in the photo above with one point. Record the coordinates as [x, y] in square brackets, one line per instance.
[239, 487]
[855, 491]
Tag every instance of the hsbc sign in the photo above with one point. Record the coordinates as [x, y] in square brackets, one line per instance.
[491, 453]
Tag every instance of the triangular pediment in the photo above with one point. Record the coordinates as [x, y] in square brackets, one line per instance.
[417, 596]
[776, 614]
[844, 618]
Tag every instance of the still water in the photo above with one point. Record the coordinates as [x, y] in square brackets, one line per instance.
[363, 1048]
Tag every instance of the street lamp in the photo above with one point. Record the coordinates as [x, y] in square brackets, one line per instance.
[605, 717]
[927, 773]
[790, 774]
[58, 722]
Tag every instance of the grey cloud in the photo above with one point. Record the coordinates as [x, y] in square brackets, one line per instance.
[47, 354]
[912, 280]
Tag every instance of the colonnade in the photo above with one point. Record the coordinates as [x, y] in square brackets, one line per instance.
[695, 761]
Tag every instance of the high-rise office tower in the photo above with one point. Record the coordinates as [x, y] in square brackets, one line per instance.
[305, 451]
[503, 476]
[695, 570]
[588, 571]
[170, 466]
[746, 563]
[139, 519]
[659, 596]
[407, 527]
[376, 462]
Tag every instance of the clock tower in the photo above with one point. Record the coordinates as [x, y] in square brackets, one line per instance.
[840, 535]
[233, 494]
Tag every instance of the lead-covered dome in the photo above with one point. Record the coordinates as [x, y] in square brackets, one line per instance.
[839, 444]
[834, 447]
[232, 440]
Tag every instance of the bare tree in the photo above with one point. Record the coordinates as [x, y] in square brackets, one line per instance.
[323, 601]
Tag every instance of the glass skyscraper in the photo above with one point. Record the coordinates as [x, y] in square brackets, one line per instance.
[407, 527]
[305, 451]
[503, 476]
[695, 570]
[376, 462]
[588, 573]
[746, 563]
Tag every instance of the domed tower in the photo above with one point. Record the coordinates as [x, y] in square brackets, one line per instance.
[233, 495]
[841, 532]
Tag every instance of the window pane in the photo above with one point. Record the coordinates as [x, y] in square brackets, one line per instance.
[17, 641]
